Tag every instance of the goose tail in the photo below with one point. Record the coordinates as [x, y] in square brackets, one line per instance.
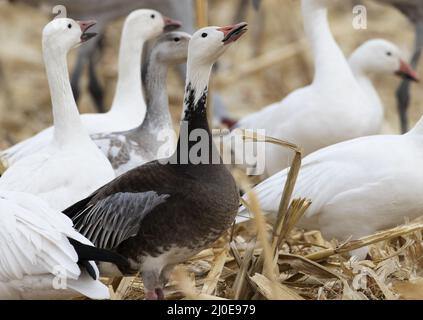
[87, 254]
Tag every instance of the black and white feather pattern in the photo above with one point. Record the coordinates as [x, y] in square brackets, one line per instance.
[117, 217]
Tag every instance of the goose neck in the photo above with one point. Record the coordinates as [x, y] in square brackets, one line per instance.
[66, 118]
[129, 98]
[156, 97]
[195, 99]
[195, 136]
[363, 75]
[328, 57]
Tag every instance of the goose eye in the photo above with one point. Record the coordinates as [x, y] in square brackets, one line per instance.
[389, 53]
[176, 39]
[204, 35]
[70, 26]
[153, 16]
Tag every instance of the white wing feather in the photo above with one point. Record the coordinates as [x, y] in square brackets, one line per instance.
[60, 176]
[34, 246]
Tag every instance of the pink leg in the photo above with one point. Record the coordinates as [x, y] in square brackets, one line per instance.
[151, 295]
[160, 294]
[156, 294]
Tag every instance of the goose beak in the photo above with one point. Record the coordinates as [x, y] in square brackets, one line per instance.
[85, 25]
[171, 24]
[406, 71]
[233, 32]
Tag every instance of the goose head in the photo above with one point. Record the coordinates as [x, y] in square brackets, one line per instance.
[148, 24]
[208, 44]
[172, 48]
[64, 33]
[379, 56]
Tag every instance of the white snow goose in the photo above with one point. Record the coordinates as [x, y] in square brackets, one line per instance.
[71, 166]
[166, 211]
[357, 187]
[128, 107]
[378, 57]
[155, 137]
[42, 256]
[333, 108]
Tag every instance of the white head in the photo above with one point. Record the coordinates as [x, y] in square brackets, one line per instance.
[208, 44]
[63, 33]
[148, 24]
[205, 47]
[379, 56]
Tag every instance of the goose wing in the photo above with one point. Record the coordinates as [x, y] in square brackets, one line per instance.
[113, 213]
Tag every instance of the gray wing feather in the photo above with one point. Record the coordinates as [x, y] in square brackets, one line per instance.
[116, 218]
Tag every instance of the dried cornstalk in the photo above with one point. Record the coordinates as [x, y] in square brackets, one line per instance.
[187, 286]
[273, 291]
[268, 259]
[124, 287]
[288, 221]
[307, 266]
[240, 284]
[368, 240]
[267, 256]
[212, 279]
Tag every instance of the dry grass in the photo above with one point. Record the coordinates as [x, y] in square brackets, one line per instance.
[392, 272]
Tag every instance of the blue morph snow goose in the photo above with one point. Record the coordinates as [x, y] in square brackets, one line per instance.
[128, 107]
[71, 166]
[163, 212]
[42, 256]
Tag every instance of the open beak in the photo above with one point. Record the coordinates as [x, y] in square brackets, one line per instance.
[233, 33]
[171, 24]
[85, 25]
[406, 71]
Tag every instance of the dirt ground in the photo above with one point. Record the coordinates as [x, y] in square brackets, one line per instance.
[24, 96]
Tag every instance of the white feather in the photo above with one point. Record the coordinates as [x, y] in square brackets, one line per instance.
[356, 187]
[34, 246]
